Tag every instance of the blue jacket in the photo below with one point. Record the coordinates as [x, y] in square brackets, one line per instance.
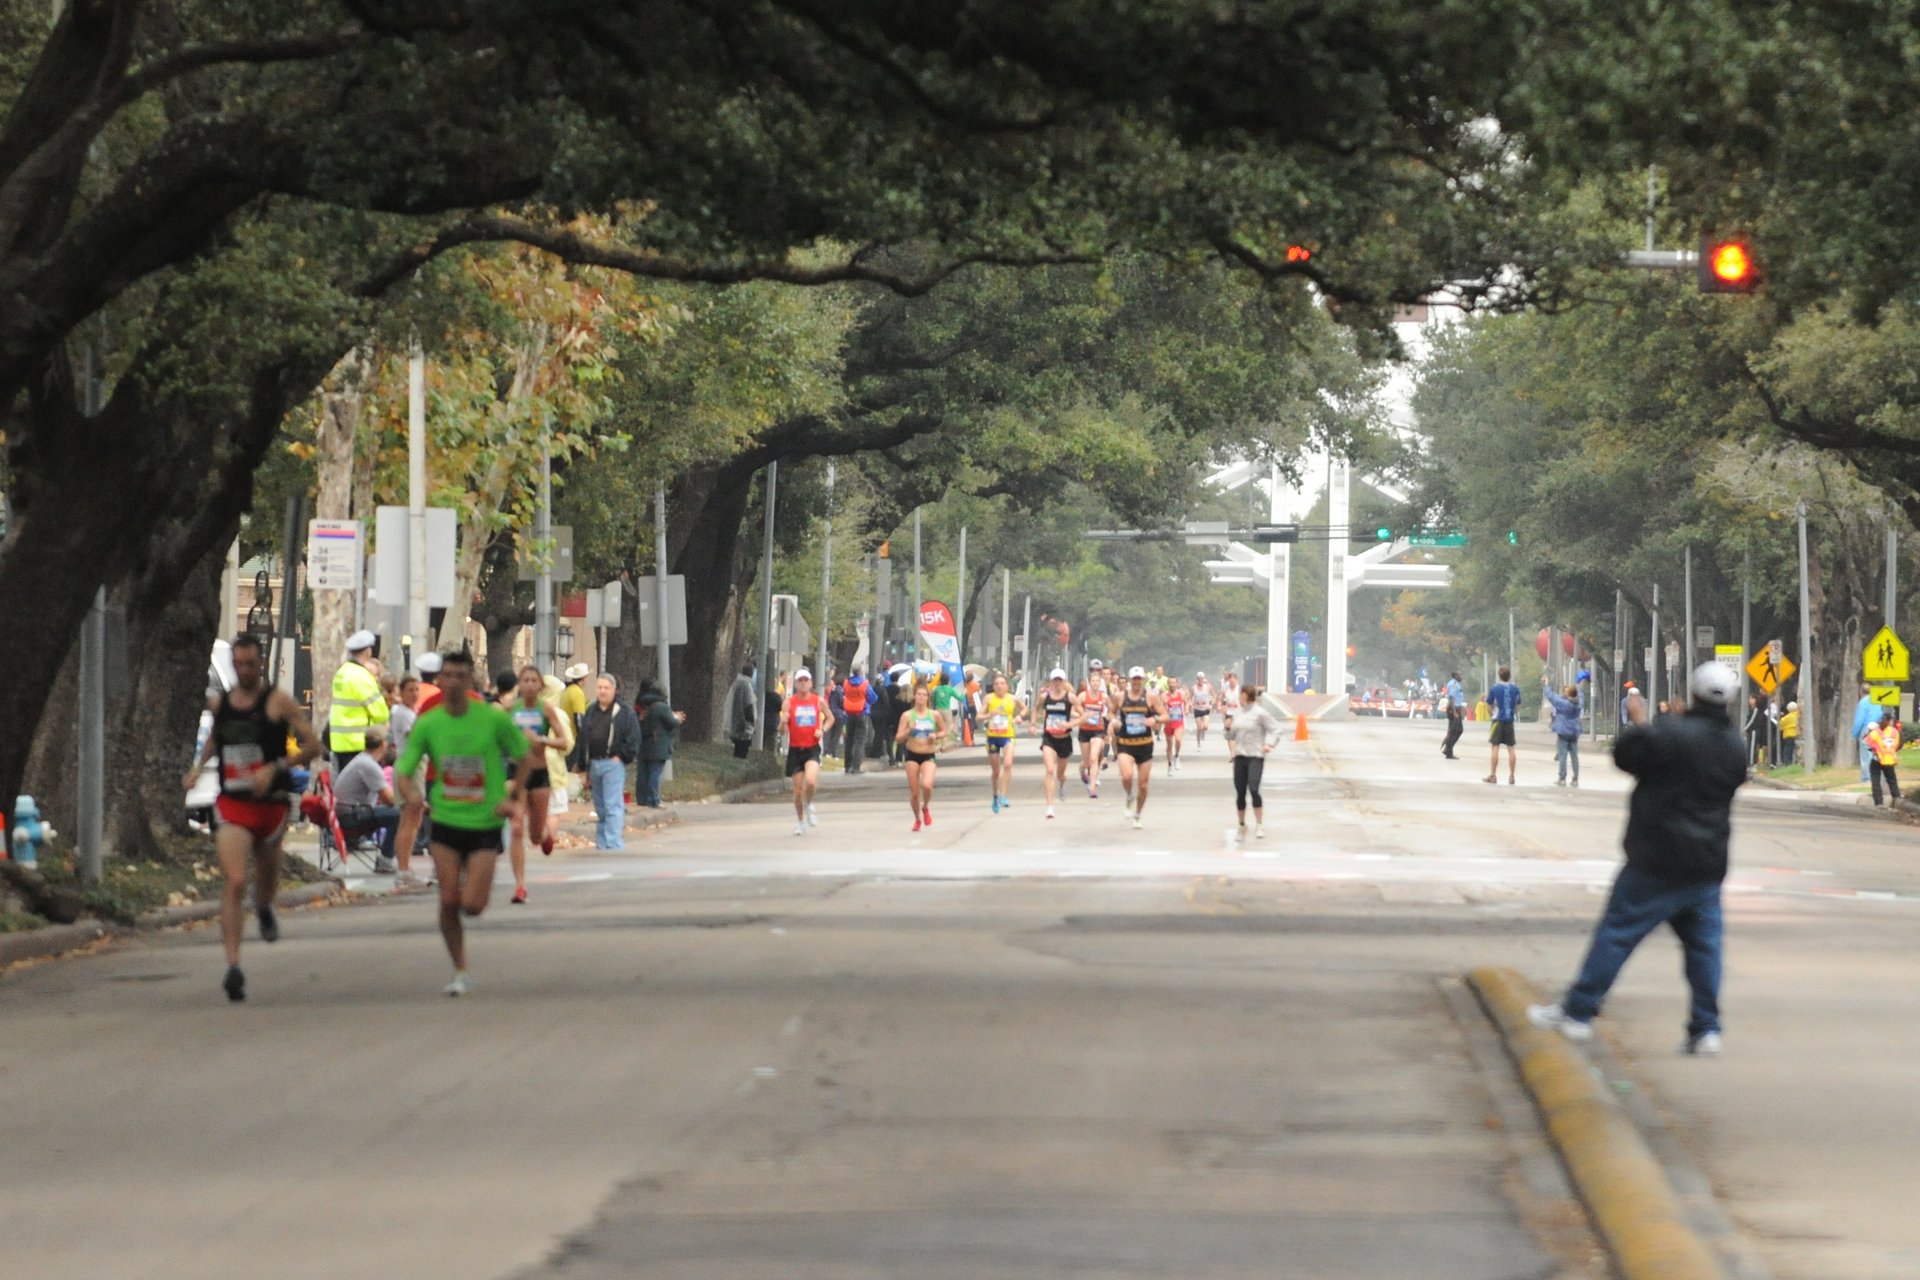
[1866, 714]
[856, 695]
[1566, 715]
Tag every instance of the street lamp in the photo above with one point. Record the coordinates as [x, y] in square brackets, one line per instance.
[563, 642]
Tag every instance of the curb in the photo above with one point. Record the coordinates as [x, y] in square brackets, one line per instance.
[1633, 1206]
[37, 944]
[194, 912]
[58, 939]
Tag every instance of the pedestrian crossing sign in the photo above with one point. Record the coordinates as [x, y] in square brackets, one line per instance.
[1770, 671]
[1886, 695]
[1884, 659]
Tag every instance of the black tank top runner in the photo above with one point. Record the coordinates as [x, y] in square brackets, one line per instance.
[1134, 730]
[249, 739]
[1055, 715]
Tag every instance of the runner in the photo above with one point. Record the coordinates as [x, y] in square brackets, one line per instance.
[1230, 699]
[1176, 722]
[1249, 746]
[470, 744]
[920, 734]
[1054, 716]
[806, 719]
[1093, 730]
[1202, 709]
[250, 727]
[1157, 683]
[1504, 699]
[539, 716]
[1003, 712]
[1136, 717]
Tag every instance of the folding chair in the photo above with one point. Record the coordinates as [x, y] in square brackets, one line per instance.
[335, 848]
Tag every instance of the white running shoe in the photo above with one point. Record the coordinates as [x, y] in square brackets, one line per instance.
[799, 828]
[1136, 822]
[1260, 832]
[1551, 1017]
[813, 816]
[461, 984]
[1128, 811]
[1703, 1046]
[1049, 811]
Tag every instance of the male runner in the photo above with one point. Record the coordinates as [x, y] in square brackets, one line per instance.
[1176, 722]
[1504, 699]
[1003, 713]
[807, 719]
[1202, 709]
[1137, 714]
[469, 744]
[1054, 716]
[1093, 730]
[250, 727]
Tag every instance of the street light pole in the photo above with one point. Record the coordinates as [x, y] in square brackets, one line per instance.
[1687, 644]
[543, 639]
[918, 594]
[766, 602]
[826, 576]
[664, 661]
[417, 611]
[1808, 712]
[960, 602]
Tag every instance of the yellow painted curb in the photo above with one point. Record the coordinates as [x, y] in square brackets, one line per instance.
[1626, 1192]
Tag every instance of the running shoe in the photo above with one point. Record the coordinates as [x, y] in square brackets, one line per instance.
[1551, 1017]
[996, 804]
[1049, 811]
[519, 895]
[1136, 822]
[926, 815]
[916, 824]
[799, 828]
[1260, 832]
[460, 985]
[1128, 810]
[1083, 775]
[1704, 1045]
[813, 816]
[269, 925]
[236, 984]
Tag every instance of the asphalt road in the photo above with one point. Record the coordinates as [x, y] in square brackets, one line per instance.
[1001, 1047]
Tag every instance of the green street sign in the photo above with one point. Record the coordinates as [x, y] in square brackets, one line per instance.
[1436, 538]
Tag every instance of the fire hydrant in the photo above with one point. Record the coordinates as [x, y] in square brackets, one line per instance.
[29, 832]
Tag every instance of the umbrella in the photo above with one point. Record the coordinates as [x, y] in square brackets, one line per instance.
[897, 668]
[975, 670]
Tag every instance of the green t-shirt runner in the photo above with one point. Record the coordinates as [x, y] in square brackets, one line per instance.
[469, 754]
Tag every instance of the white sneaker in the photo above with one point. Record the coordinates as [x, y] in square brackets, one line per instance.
[1049, 811]
[799, 828]
[1551, 1017]
[1128, 811]
[461, 984]
[1703, 1046]
[1260, 833]
[1136, 822]
[813, 816]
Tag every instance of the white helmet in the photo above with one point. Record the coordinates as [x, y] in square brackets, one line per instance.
[1715, 683]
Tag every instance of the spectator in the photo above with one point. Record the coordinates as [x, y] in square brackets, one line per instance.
[1758, 726]
[611, 736]
[1866, 716]
[741, 719]
[899, 698]
[1790, 733]
[1566, 729]
[1884, 741]
[659, 733]
[775, 703]
[400, 712]
[835, 693]
[856, 704]
[363, 801]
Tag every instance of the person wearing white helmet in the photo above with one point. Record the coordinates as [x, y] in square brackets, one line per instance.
[1055, 716]
[1679, 822]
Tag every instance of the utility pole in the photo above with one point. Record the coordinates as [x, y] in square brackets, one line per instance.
[1893, 570]
[1026, 642]
[766, 602]
[417, 615]
[1339, 508]
[1279, 589]
[90, 836]
[543, 637]
[1006, 620]
[1687, 645]
[960, 601]
[664, 661]
[826, 576]
[1808, 714]
[1746, 623]
[1512, 652]
[1653, 665]
[918, 594]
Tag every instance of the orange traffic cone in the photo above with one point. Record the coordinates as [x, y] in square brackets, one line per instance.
[1300, 728]
[966, 731]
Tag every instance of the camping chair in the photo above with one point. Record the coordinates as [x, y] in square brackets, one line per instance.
[337, 845]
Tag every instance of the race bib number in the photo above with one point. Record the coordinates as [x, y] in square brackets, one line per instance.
[923, 726]
[999, 723]
[239, 761]
[463, 779]
[1136, 723]
[1056, 722]
[532, 719]
[805, 716]
[1094, 717]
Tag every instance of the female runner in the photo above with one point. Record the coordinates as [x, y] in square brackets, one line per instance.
[539, 715]
[921, 731]
[1093, 730]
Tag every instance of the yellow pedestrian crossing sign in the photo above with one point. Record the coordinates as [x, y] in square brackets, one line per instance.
[1885, 658]
[1770, 668]
[1885, 695]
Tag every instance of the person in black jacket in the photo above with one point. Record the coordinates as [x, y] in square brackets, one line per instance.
[610, 734]
[1678, 825]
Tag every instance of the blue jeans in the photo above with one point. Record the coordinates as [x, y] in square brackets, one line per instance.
[1639, 904]
[609, 778]
[647, 783]
[1567, 749]
[1866, 759]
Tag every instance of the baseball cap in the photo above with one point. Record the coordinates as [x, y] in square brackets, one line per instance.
[803, 674]
[1137, 673]
[1058, 673]
[429, 663]
[1715, 683]
[1096, 665]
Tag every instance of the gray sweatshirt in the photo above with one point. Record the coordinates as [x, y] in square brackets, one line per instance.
[1254, 729]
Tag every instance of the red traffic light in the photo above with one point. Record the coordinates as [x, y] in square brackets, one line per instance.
[1298, 253]
[1727, 266]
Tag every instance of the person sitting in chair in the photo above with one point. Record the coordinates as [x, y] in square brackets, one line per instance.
[363, 800]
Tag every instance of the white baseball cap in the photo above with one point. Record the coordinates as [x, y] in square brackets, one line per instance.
[803, 674]
[1137, 673]
[429, 663]
[1058, 673]
[1714, 682]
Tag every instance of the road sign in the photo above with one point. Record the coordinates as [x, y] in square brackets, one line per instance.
[1728, 655]
[1885, 695]
[334, 555]
[603, 606]
[648, 608]
[1703, 637]
[392, 563]
[1437, 538]
[529, 558]
[1885, 658]
[1772, 668]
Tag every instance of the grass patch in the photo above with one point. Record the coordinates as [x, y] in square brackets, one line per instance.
[127, 889]
[702, 769]
[1830, 777]
[20, 922]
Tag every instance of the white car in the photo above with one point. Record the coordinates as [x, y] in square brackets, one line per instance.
[206, 789]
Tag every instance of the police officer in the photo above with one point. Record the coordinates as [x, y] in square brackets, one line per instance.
[357, 701]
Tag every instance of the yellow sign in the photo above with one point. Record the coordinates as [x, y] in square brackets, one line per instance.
[1769, 672]
[1884, 658]
[1886, 695]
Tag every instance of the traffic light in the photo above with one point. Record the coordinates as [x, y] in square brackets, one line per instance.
[1383, 534]
[1271, 533]
[1351, 651]
[1513, 537]
[1726, 265]
[1299, 253]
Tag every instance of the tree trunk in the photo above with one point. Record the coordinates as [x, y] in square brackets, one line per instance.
[334, 499]
[499, 612]
[707, 551]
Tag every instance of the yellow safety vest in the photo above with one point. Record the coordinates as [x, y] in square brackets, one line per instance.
[1885, 744]
[357, 703]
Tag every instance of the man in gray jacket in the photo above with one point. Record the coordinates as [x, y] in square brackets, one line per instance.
[741, 712]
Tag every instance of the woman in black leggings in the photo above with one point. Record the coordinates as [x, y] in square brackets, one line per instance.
[1252, 736]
